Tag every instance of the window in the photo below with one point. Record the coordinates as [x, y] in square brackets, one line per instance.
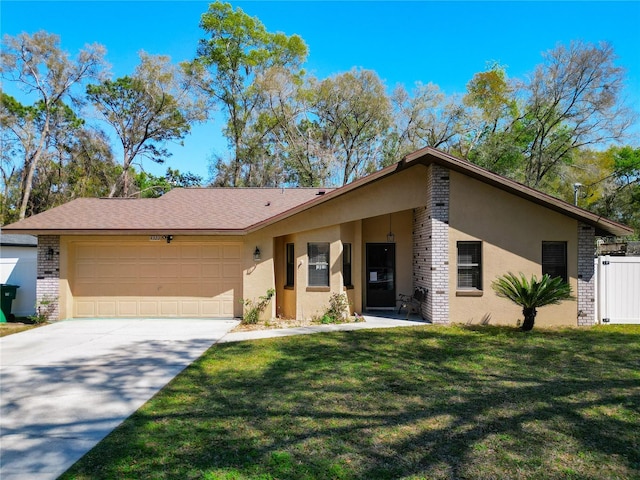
[346, 264]
[554, 259]
[291, 265]
[318, 264]
[469, 265]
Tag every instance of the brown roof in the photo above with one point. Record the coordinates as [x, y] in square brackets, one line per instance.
[242, 210]
[215, 210]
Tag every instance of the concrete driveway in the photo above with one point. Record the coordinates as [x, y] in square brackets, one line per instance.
[65, 386]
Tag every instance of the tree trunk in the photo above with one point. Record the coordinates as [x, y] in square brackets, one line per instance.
[529, 319]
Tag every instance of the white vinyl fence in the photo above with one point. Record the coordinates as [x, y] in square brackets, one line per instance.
[618, 289]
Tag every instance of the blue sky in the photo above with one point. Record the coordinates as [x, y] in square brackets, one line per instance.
[404, 42]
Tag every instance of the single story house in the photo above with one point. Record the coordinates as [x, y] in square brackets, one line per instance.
[430, 221]
[18, 256]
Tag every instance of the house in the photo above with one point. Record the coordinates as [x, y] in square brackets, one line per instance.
[430, 221]
[18, 267]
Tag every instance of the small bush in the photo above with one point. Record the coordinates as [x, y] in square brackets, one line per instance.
[338, 310]
[253, 309]
[44, 310]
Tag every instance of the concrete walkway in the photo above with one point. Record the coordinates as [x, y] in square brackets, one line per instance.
[371, 321]
[65, 386]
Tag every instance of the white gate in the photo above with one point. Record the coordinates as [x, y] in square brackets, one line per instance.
[618, 284]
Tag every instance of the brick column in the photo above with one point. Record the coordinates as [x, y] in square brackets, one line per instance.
[431, 246]
[586, 275]
[421, 256]
[48, 281]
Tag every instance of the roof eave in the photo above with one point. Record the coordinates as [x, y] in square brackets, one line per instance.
[603, 225]
[125, 232]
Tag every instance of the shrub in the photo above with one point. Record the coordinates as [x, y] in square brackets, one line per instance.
[338, 309]
[44, 309]
[253, 309]
[531, 294]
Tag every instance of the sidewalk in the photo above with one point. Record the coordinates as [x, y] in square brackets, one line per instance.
[390, 320]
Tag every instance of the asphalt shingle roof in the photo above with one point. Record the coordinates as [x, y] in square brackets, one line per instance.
[180, 209]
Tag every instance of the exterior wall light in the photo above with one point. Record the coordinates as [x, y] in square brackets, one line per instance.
[257, 256]
[50, 254]
[169, 238]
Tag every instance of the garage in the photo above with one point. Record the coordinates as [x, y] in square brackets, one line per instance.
[156, 279]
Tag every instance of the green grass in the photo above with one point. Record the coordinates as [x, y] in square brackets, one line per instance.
[426, 402]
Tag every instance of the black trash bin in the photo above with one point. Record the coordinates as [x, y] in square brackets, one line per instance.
[7, 295]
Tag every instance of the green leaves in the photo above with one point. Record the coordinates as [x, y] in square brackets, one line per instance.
[532, 293]
[236, 52]
[147, 109]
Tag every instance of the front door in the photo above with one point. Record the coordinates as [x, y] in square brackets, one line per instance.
[381, 272]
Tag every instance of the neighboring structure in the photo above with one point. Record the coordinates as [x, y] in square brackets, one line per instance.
[18, 257]
[432, 221]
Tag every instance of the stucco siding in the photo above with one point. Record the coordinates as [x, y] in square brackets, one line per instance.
[258, 276]
[313, 301]
[402, 191]
[511, 231]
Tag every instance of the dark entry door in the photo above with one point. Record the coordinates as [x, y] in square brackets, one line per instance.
[381, 273]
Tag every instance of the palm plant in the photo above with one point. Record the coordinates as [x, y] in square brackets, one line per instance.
[531, 294]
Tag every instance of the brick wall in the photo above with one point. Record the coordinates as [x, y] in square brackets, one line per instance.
[48, 280]
[431, 246]
[586, 275]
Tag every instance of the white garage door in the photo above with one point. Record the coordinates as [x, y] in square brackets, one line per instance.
[156, 279]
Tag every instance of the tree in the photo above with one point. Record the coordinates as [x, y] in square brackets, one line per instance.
[40, 68]
[238, 48]
[354, 114]
[493, 137]
[426, 118]
[146, 110]
[150, 186]
[290, 129]
[531, 294]
[571, 101]
[90, 170]
[620, 198]
[9, 197]
[22, 123]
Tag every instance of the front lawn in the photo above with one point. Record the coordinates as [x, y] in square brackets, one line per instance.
[410, 403]
[9, 328]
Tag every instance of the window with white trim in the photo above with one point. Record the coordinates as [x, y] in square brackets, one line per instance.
[318, 264]
[469, 266]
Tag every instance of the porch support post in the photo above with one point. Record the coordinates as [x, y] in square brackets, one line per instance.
[586, 275]
[431, 246]
[48, 279]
